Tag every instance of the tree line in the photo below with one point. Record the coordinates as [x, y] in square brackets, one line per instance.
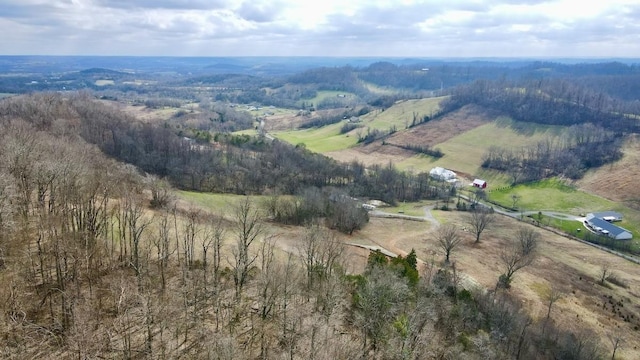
[549, 102]
[232, 164]
[580, 148]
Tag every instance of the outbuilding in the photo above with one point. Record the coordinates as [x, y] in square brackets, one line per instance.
[442, 174]
[606, 228]
[481, 184]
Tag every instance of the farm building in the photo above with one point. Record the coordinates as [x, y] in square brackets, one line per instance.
[442, 174]
[609, 216]
[599, 224]
[481, 184]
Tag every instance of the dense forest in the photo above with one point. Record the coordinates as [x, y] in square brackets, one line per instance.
[231, 164]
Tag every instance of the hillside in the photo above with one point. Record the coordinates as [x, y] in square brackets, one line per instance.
[617, 181]
[262, 253]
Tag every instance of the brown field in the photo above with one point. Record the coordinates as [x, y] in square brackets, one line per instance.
[291, 121]
[618, 181]
[570, 266]
[431, 133]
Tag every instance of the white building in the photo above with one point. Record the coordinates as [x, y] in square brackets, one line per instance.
[442, 174]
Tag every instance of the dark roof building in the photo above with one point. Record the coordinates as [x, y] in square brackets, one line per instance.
[608, 216]
[606, 228]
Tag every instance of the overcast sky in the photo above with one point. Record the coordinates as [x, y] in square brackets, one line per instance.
[433, 28]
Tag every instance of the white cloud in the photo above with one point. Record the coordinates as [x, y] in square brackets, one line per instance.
[327, 27]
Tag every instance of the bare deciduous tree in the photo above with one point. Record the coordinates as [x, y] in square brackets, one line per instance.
[248, 227]
[616, 341]
[448, 238]
[605, 272]
[162, 244]
[320, 252]
[479, 219]
[518, 254]
[552, 296]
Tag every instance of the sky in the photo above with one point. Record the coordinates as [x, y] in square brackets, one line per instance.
[375, 28]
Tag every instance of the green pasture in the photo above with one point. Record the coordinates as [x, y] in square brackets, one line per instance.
[320, 140]
[408, 208]
[325, 94]
[378, 89]
[217, 203]
[401, 114]
[465, 152]
[578, 230]
[553, 195]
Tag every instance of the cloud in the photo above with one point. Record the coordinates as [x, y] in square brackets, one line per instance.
[164, 4]
[327, 27]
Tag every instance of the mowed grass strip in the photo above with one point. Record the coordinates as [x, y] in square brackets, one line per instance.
[320, 140]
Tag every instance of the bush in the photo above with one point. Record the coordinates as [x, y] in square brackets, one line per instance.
[348, 127]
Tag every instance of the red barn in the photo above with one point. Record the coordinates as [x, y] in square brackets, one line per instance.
[481, 184]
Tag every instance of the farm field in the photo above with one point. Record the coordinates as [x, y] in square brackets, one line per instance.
[464, 152]
[104, 82]
[401, 114]
[320, 140]
[327, 94]
[567, 265]
[328, 138]
[617, 181]
[219, 203]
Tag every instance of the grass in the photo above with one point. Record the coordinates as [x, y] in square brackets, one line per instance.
[411, 208]
[217, 203]
[328, 138]
[377, 89]
[401, 114]
[5, 95]
[552, 195]
[555, 195]
[571, 227]
[320, 140]
[326, 94]
[464, 152]
[104, 82]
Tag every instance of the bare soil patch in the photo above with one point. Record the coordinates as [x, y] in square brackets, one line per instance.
[449, 126]
[430, 134]
[293, 121]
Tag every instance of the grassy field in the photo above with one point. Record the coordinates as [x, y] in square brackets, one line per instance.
[552, 195]
[464, 152]
[320, 140]
[377, 89]
[401, 114]
[325, 94]
[217, 203]
[411, 208]
[555, 195]
[104, 82]
[328, 138]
